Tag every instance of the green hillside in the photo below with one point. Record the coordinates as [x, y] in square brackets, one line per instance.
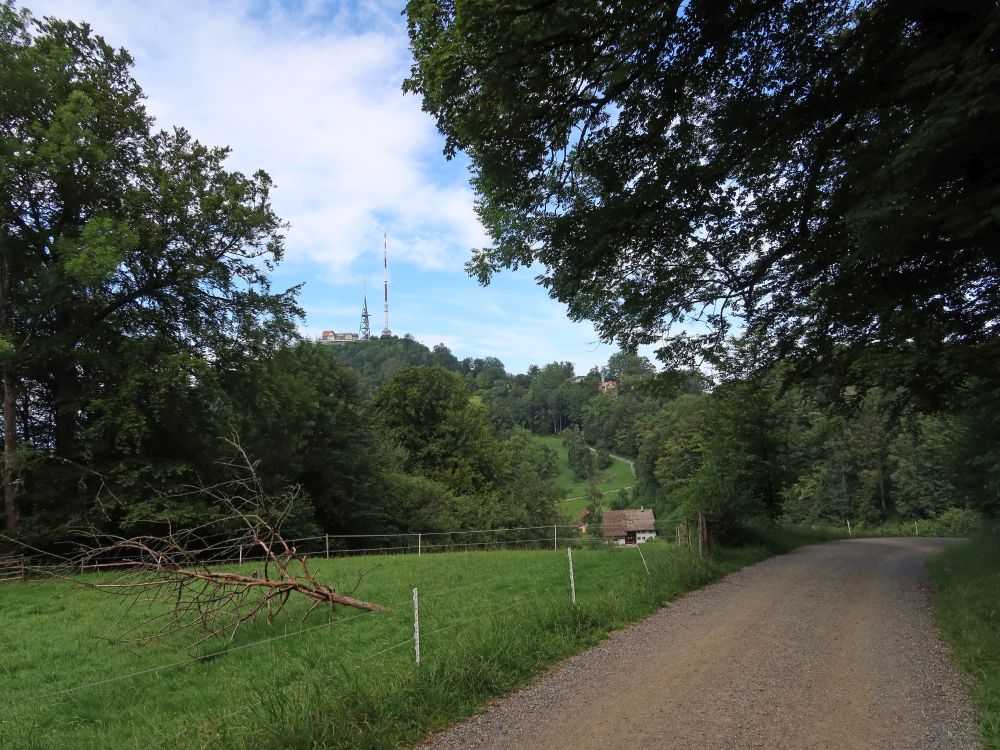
[616, 477]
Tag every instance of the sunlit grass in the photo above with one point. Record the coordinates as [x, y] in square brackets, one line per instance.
[616, 477]
[490, 621]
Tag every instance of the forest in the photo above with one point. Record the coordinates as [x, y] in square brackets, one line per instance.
[824, 294]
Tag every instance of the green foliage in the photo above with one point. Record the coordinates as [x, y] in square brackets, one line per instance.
[581, 458]
[638, 162]
[975, 458]
[377, 360]
[967, 581]
[445, 437]
[134, 277]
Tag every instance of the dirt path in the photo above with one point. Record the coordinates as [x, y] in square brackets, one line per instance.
[831, 646]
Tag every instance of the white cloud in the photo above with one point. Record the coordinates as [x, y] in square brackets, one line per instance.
[312, 95]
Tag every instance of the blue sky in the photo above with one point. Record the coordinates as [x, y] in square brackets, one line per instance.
[310, 92]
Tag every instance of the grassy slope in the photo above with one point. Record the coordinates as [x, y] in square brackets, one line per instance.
[968, 611]
[490, 621]
[615, 477]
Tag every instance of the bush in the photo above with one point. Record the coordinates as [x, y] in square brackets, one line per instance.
[957, 522]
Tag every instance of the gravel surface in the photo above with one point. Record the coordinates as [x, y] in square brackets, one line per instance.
[831, 646]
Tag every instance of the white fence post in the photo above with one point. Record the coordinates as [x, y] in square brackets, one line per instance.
[639, 547]
[915, 531]
[419, 544]
[327, 546]
[241, 554]
[555, 538]
[416, 624]
[572, 580]
[849, 532]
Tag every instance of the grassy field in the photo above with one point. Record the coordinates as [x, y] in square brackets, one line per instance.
[490, 621]
[968, 611]
[615, 477]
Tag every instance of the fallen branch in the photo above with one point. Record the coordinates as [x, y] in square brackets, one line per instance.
[178, 572]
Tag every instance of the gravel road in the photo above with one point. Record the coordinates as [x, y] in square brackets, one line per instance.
[831, 646]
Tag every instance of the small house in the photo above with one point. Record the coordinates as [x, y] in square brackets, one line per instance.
[629, 526]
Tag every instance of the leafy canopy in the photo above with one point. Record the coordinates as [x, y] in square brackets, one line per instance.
[825, 172]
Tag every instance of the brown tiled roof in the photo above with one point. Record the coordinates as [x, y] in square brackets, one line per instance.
[616, 523]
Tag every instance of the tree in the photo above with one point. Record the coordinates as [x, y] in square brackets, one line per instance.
[428, 412]
[116, 243]
[825, 171]
[580, 457]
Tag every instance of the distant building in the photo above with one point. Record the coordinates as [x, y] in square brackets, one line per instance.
[332, 338]
[608, 387]
[628, 526]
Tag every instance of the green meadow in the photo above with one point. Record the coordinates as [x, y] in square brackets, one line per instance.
[616, 477]
[490, 620]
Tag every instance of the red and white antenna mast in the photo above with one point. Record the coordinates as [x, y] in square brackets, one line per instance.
[385, 268]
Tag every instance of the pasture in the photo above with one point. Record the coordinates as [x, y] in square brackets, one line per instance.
[490, 620]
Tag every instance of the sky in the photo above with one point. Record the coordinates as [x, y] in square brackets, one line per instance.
[309, 91]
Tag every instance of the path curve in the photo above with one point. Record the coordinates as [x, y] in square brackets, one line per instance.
[831, 646]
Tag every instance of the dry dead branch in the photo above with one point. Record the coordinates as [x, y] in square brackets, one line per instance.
[178, 574]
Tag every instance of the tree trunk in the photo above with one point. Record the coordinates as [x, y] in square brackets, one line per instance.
[704, 540]
[65, 397]
[9, 402]
[881, 484]
[9, 450]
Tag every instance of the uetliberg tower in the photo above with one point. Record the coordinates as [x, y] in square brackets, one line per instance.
[386, 333]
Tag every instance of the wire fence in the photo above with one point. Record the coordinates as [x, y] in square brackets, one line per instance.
[329, 546]
[451, 593]
[356, 661]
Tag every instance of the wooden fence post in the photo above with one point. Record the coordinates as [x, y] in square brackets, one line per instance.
[416, 624]
[572, 580]
[638, 546]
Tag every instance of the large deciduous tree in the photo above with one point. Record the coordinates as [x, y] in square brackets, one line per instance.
[826, 172]
[131, 260]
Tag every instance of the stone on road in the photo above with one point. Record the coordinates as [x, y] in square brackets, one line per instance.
[831, 646]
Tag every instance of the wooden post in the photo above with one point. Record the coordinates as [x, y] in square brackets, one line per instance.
[638, 546]
[327, 546]
[416, 624]
[849, 532]
[687, 533]
[241, 554]
[916, 532]
[555, 537]
[419, 544]
[572, 580]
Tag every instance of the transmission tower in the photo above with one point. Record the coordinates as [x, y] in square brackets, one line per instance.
[386, 333]
[366, 330]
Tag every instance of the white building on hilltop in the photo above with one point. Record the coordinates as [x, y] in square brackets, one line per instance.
[332, 338]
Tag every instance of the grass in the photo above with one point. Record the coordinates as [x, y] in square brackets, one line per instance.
[490, 622]
[616, 477]
[967, 578]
